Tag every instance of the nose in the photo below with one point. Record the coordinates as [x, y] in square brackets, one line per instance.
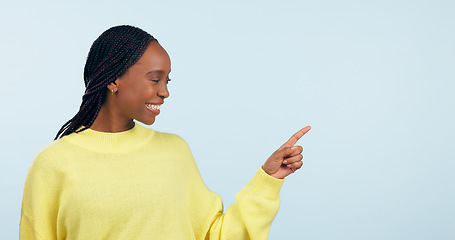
[163, 92]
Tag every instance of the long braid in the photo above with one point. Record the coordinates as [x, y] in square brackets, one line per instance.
[111, 54]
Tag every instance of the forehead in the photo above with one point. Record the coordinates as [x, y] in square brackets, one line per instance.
[155, 58]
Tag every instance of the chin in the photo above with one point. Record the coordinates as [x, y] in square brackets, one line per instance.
[146, 121]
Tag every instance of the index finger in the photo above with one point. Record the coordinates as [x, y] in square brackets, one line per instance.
[296, 137]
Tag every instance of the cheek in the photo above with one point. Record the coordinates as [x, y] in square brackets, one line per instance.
[137, 92]
[128, 98]
[148, 90]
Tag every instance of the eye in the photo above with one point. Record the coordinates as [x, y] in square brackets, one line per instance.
[157, 81]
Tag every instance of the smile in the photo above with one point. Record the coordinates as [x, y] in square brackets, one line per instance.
[153, 108]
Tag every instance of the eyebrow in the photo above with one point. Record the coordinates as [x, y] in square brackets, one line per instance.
[160, 71]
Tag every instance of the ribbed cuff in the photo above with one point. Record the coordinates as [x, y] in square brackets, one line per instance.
[265, 185]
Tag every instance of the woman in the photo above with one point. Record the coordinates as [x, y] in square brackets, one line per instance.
[105, 177]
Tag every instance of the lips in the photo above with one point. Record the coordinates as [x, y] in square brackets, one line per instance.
[154, 108]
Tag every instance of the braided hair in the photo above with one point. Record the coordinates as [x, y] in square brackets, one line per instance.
[111, 54]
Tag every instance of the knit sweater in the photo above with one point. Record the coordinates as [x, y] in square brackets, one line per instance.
[137, 184]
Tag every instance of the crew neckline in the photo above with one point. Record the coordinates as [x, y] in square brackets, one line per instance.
[111, 142]
[134, 125]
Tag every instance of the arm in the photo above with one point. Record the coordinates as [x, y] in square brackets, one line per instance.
[256, 205]
[251, 216]
[39, 201]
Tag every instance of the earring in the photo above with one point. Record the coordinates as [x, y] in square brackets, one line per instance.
[112, 91]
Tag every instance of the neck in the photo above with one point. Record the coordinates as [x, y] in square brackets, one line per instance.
[108, 121]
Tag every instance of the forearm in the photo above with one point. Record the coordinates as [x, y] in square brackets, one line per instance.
[251, 215]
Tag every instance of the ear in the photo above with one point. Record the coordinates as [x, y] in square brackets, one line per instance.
[112, 87]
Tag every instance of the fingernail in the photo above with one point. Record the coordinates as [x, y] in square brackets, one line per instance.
[293, 147]
[285, 162]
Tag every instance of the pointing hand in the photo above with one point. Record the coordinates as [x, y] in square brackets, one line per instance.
[287, 159]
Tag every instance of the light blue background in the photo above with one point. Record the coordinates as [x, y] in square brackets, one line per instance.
[374, 79]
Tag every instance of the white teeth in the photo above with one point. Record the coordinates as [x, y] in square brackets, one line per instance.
[154, 107]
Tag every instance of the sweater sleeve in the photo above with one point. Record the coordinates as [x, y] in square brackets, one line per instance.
[251, 215]
[39, 201]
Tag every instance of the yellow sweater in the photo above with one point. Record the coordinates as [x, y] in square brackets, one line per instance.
[136, 184]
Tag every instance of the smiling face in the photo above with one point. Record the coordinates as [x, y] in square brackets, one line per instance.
[141, 90]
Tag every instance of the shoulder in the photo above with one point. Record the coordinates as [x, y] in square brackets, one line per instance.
[172, 144]
[46, 161]
[170, 138]
[53, 153]
[55, 148]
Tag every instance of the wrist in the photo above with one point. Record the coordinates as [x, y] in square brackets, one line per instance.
[271, 174]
